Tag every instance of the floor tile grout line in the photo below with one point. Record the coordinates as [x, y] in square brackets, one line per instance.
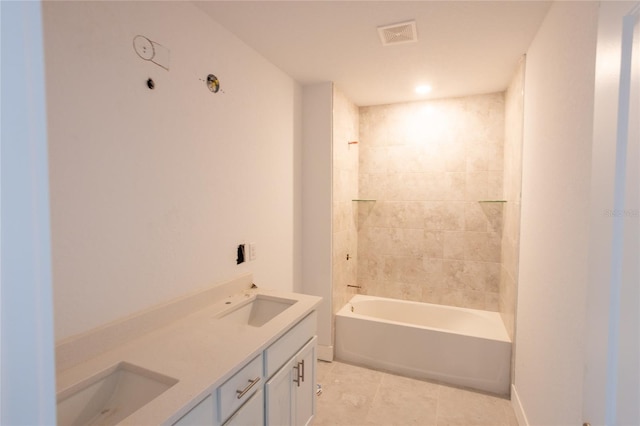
[438, 404]
[375, 395]
[442, 393]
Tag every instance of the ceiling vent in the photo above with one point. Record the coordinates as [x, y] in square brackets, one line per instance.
[404, 32]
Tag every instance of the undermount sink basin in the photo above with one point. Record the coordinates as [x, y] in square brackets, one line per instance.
[257, 311]
[110, 396]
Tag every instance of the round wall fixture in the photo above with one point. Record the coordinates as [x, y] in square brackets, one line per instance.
[144, 47]
[213, 83]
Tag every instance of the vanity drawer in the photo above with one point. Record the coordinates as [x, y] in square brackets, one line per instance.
[251, 413]
[239, 388]
[281, 351]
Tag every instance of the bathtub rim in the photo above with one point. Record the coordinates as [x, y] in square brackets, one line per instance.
[346, 311]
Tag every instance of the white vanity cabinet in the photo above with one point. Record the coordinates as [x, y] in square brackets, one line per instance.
[239, 389]
[290, 393]
[305, 392]
[251, 413]
[286, 399]
[290, 365]
[201, 414]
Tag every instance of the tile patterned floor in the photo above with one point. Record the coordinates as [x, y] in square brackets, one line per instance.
[354, 396]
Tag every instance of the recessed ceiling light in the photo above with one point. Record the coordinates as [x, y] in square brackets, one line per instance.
[423, 89]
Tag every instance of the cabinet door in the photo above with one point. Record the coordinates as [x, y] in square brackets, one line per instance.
[250, 414]
[279, 399]
[304, 390]
[290, 393]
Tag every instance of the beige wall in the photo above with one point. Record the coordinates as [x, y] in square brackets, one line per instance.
[152, 190]
[427, 165]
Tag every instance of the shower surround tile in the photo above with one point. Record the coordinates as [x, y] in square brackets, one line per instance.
[344, 210]
[427, 164]
[372, 186]
[512, 183]
[475, 218]
[396, 214]
[444, 216]
[476, 185]
[482, 246]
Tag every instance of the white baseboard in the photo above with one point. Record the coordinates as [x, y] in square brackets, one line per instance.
[517, 407]
[325, 353]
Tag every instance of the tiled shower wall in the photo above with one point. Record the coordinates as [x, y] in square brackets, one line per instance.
[428, 236]
[345, 189]
[514, 113]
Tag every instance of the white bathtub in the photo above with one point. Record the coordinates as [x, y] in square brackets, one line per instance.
[463, 347]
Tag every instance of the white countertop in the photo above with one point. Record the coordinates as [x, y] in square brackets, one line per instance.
[199, 350]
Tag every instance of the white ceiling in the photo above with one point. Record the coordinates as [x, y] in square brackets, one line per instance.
[463, 48]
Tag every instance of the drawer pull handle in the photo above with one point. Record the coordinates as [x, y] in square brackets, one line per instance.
[297, 379]
[299, 367]
[251, 384]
